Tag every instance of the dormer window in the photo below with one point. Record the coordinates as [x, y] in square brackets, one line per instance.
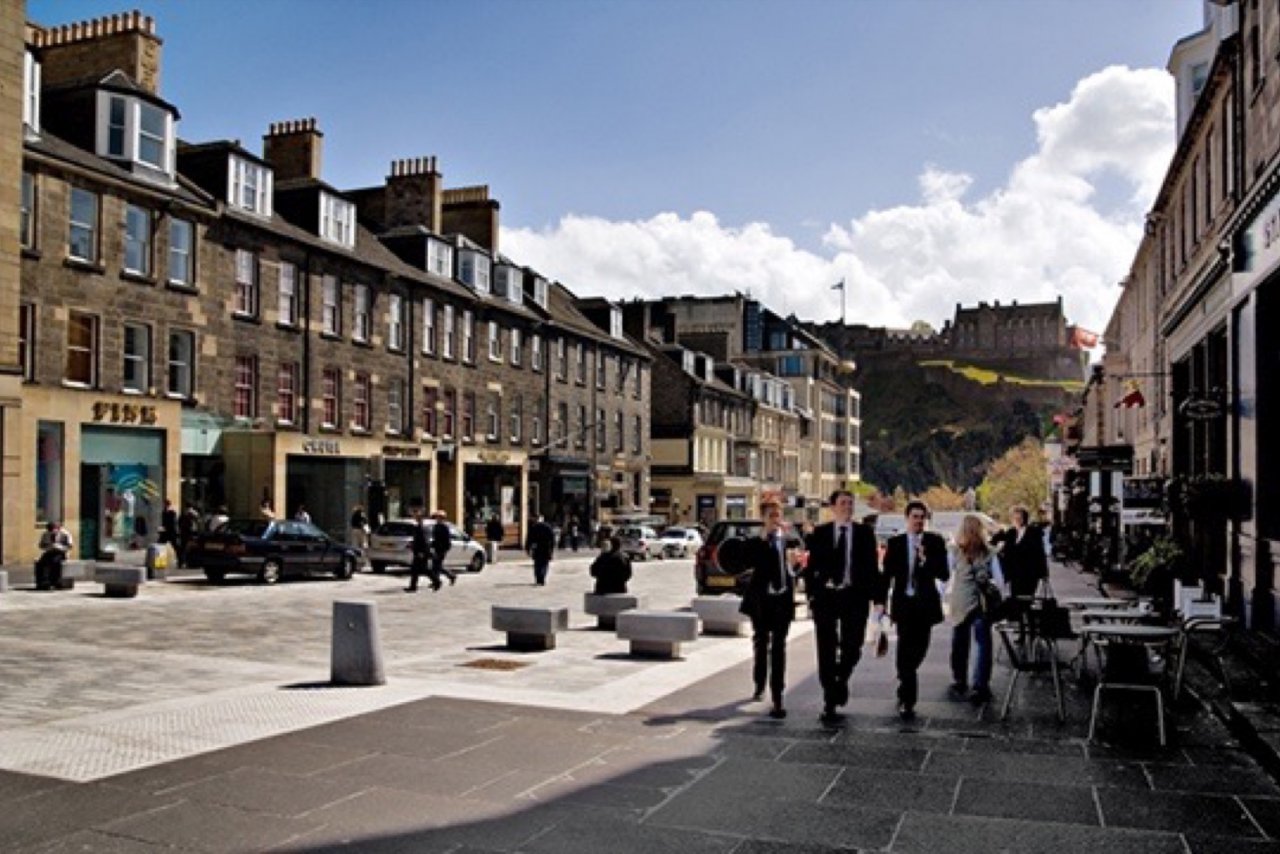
[540, 291]
[615, 321]
[249, 186]
[473, 270]
[31, 90]
[440, 258]
[509, 282]
[337, 220]
[132, 129]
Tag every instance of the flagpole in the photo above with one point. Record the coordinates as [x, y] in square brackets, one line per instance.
[840, 285]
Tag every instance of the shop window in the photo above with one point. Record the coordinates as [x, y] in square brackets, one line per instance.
[330, 390]
[137, 358]
[360, 393]
[50, 454]
[430, 403]
[82, 350]
[287, 393]
[182, 350]
[429, 327]
[182, 241]
[82, 243]
[245, 401]
[246, 283]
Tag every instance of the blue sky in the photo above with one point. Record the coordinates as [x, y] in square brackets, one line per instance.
[662, 146]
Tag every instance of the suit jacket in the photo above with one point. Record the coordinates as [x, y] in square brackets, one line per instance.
[766, 565]
[542, 541]
[441, 539]
[926, 604]
[825, 564]
[1024, 563]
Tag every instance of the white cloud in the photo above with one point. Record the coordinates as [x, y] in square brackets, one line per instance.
[1039, 235]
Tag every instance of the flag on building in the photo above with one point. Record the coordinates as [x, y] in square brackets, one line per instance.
[1083, 339]
[838, 286]
[1133, 398]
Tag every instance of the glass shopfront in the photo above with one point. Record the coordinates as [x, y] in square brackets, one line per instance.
[491, 490]
[329, 488]
[121, 489]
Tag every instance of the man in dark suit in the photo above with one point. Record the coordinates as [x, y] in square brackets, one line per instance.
[914, 561]
[441, 542]
[770, 602]
[842, 581]
[421, 547]
[1022, 554]
[541, 546]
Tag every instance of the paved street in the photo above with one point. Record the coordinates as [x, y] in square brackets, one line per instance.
[196, 718]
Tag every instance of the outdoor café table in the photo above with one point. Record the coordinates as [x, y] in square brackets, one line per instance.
[1123, 634]
[1114, 615]
[1080, 603]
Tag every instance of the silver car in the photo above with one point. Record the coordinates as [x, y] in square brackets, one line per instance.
[392, 545]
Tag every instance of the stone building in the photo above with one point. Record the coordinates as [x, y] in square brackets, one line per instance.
[19, 87]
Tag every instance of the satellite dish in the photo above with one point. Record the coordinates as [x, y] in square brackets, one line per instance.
[732, 555]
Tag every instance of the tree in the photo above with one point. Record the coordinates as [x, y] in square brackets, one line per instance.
[1018, 477]
[943, 498]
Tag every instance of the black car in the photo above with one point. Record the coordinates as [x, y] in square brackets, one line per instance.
[709, 576]
[270, 549]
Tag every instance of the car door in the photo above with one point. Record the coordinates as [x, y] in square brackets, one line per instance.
[457, 548]
[282, 540]
[319, 554]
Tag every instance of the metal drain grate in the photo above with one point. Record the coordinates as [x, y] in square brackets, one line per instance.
[494, 664]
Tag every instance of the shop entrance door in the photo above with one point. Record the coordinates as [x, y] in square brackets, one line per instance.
[91, 511]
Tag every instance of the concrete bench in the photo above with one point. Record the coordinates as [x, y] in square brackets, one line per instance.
[720, 615]
[606, 607]
[73, 571]
[528, 628]
[121, 581]
[657, 633]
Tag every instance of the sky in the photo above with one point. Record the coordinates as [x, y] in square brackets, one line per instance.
[924, 152]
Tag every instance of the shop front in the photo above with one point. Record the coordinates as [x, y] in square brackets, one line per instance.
[103, 466]
[564, 484]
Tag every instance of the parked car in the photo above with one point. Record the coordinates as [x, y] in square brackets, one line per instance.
[710, 578]
[640, 542]
[392, 545]
[270, 549]
[680, 542]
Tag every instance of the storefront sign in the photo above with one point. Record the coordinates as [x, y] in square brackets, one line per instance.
[494, 456]
[1201, 408]
[1260, 241]
[321, 446]
[123, 413]
[401, 451]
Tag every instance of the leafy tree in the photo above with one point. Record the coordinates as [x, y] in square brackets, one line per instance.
[1018, 477]
[943, 498]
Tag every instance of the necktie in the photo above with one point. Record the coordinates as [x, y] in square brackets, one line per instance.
[842, 546]
[776, 576]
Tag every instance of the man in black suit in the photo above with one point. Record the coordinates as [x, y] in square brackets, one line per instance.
[914, 561]
[842, 580]
[421, 547]
[1022, 554]
[770, 602]
[441, 542]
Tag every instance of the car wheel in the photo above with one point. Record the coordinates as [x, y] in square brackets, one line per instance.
[346, 569]
[271, 571]
[477, 562]
[215, 576]
[379, 567]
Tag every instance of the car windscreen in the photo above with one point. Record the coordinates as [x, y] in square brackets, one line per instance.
[396, 529]
[246, 527]
[673, 534]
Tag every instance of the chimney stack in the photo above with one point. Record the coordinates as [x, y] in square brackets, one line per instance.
[293, 149]
[415, 194]
[469, 211]
[95, 48]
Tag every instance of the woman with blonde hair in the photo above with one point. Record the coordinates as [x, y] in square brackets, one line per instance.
[975, 567]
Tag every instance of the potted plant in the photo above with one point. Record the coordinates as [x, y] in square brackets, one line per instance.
[1153, 572]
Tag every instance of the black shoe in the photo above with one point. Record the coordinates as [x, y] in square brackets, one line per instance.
[758, 695]
[907, 713]
[777, 712]
[958, 690]
[435, 585]
[829, 716]
[453, 579]
[842, 693]
[980, 696]
[412, 589]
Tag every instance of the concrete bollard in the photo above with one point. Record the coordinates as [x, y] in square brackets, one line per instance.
[4, 581]
[357, 648]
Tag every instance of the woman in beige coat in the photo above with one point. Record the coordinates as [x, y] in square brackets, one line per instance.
[974, 566]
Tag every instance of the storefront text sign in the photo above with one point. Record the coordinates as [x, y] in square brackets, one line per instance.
[1261, 239]
[400, 451]
[494, 456]
[123, 413]
[321, 446]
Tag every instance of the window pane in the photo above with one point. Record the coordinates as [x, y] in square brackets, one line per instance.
[27, 221]
[181, 234]
[181, 352]
[115, 128]
[151, 136]
[137, 240]
[136, 357]
[84, 225]
[81, 346]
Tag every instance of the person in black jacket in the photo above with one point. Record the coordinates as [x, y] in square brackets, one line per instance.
[611, 569]
[441, 542]
[770, 602]
[541, 546]
[421, 546]
[1022, 554]
[842, 582]
[914, 562]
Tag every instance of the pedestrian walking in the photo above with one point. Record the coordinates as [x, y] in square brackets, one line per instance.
[843, 582]
[168, 533]
[976, 569]
[541, 547]
[188, 524]
[358, 530]
[493, 534]
[421, 547]
[770, 602]
[441, 542]
[611, 569]
[915, 561]
[1022, 553]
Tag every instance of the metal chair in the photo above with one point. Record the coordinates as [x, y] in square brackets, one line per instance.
[1029, 653]
[1117, 642]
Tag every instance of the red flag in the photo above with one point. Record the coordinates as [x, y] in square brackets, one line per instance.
[1083, 339]
[1133, 398]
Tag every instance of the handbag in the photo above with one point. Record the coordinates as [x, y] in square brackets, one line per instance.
[990, 599]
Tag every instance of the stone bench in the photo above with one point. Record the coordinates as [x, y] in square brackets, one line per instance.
[4, 581]
[73, 571]
[720, 615]
[121, 582]
[657, 633]
[606, 607]
[529, 629]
